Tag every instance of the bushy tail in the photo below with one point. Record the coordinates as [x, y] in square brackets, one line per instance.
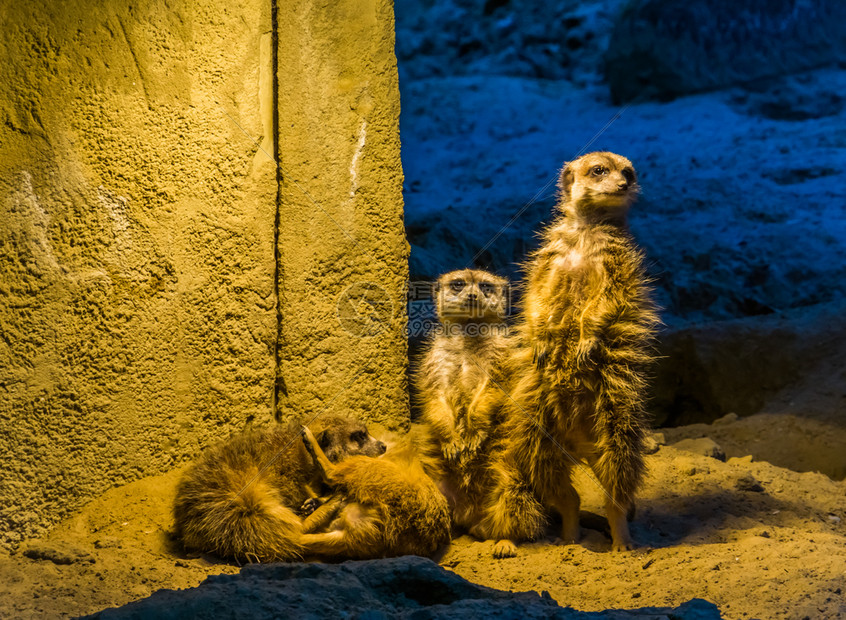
[621, 430]
[241, 517]
[512, 511]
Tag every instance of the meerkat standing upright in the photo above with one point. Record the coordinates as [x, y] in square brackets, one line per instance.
[459, 386]
[578, 368]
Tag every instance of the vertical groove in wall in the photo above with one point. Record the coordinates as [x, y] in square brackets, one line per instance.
[278, 384]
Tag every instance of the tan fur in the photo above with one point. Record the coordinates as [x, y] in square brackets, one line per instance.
[459, 387]
[578, 367]
[383, 507]
[240, 499]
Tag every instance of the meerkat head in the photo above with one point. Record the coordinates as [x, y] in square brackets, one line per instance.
[597, 186]
[471, 295]
[340, 436]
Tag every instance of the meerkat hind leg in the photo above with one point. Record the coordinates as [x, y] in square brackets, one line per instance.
[323, 515]
[621, 540]
[332, 544]
[567, 503]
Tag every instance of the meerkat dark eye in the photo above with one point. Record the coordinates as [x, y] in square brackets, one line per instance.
[457, 285]
[358, 436]
[629, 175]
[599, 171]
[487, 288]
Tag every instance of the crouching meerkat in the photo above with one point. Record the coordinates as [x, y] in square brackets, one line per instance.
[459, 387]
[381, 507]
[578, 369]
[241, 499]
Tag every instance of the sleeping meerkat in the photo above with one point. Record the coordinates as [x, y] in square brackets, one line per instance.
[240, 499]
[459, 386]
[578, 369]
[382, 507]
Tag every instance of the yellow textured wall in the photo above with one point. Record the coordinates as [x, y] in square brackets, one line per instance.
[138, 264]
[342, 248]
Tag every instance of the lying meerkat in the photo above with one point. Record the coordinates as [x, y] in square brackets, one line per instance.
[240, 499]
[578, 370]
[459, 386]
[381, 508]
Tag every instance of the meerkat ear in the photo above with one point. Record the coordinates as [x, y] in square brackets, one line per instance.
[565, 181]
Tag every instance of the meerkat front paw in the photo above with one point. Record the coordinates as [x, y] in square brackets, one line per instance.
[310, 505]
[504, 549]
[457, 447]
[539, 355]
[623, 546]
[474, 441]
[452, 450]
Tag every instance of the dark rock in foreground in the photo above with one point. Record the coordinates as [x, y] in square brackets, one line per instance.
[407, 587]
[660, 49]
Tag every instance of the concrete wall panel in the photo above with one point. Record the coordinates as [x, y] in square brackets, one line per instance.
[138, 314]
[342, 249]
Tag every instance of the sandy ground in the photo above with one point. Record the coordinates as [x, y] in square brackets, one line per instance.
[757, 540]
[753, 535]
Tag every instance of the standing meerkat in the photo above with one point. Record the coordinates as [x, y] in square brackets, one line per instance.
[382, 507]
[459, 386]
[241, 499]
[578, 370]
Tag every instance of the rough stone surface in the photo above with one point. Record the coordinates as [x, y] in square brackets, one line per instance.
[708, 371]
[780, 438]
[342, 248]
[407, 587]
[136, 244]
[702, 445]
[68, 555]
[739, 215]
[557, 40]
[662, 49]
[138, 209]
